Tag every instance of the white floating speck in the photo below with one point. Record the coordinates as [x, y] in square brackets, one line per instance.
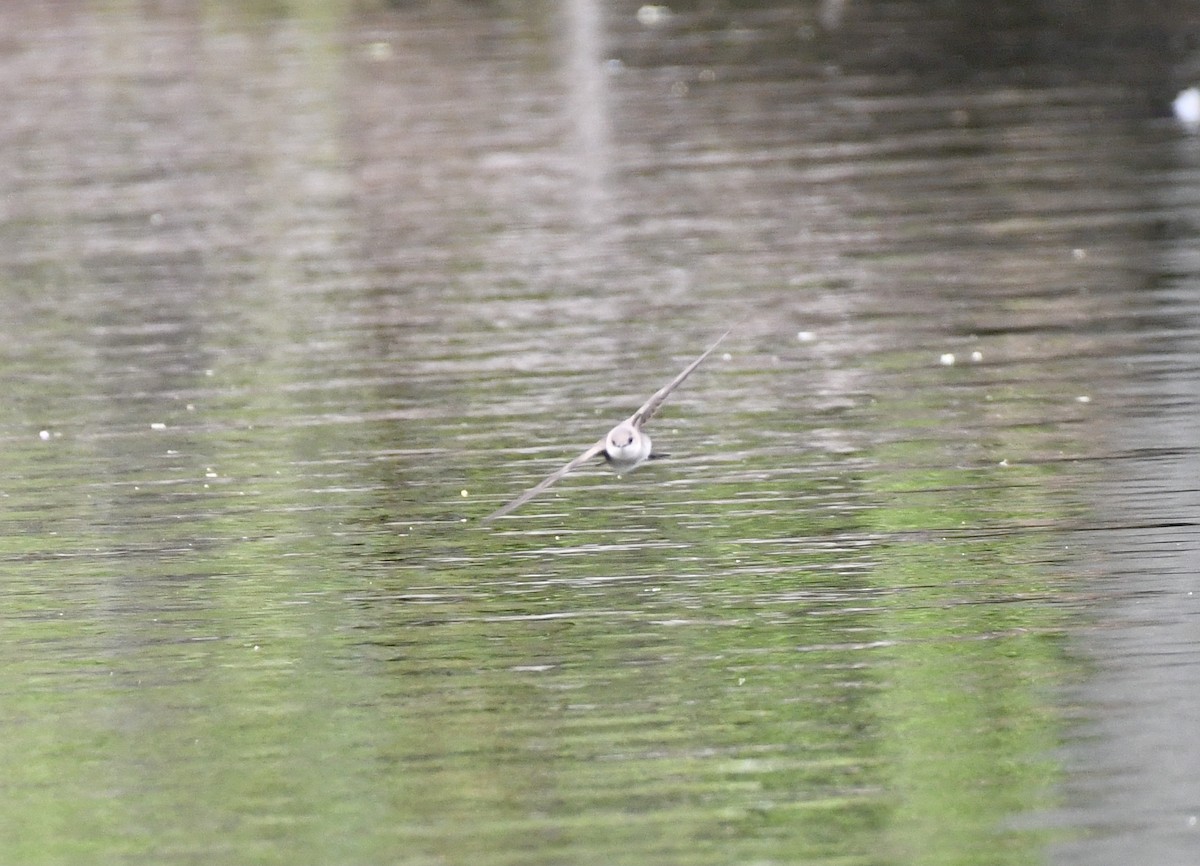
[463, 493]
[191, 407]
[1187, 107]
[379, 50]
[44, 435]
[652, 14]
[1079, 254]
[947, 359]
[805, 336]
[1003, 462]
[976, 356]
[158, 425]
[210, 473]
[1083, 398]
[727, 357]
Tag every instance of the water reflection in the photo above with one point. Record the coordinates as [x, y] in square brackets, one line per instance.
[298, 296]
[1132, 771]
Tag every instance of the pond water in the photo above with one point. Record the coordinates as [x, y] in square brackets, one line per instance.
[295, 294]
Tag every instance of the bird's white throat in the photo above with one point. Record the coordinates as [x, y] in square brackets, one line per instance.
[626, 447]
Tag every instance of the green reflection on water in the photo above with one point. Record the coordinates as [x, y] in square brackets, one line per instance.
[967, 716]
[279, 676]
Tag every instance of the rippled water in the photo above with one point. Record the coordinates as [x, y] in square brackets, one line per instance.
[293, 297]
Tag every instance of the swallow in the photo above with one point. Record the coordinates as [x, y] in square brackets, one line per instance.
[624, 447]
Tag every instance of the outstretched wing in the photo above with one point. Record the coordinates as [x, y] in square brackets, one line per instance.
[651, 406]
[596, 449]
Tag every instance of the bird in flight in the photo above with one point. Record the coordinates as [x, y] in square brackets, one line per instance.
[624, 447]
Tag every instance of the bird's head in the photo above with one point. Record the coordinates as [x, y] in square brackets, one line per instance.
[620, 437]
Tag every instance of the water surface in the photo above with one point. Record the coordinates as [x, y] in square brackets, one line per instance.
[293, 297]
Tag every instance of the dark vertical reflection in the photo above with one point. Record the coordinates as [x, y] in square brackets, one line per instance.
[1132, 787]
